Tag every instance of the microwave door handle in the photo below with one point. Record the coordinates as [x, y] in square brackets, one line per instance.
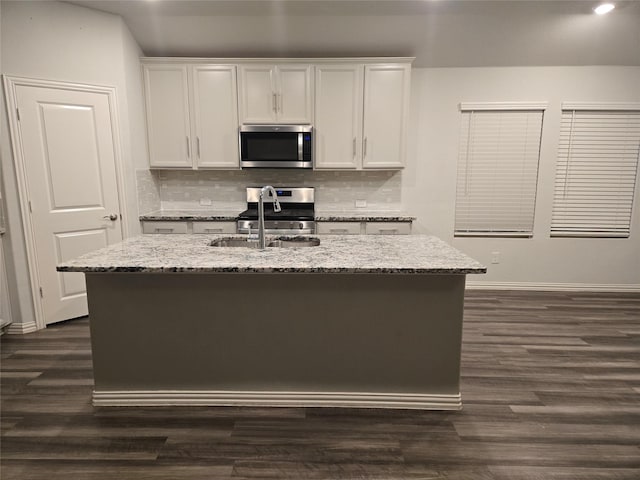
[300, 149]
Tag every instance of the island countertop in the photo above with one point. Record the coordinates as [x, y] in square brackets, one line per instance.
[388, 254]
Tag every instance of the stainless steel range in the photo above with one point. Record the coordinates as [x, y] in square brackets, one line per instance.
[297, 215]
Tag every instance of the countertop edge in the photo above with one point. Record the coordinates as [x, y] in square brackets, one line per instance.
[320, 217]
[399, 271]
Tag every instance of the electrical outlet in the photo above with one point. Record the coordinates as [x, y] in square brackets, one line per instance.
[361, 203]
[205, 202]
[495, 257]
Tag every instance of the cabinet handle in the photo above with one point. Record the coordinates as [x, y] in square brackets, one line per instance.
[338, 230]
[164, 230]
[188, 148]
[279, 103]
[388, 231]
[354, 146]
[275, 104]
[213, 230]
[198, 145]
[364, 153]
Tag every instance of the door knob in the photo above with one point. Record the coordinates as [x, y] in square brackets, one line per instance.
[113, 217]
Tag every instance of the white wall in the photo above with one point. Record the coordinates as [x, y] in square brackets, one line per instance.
[59, 41]
[429, 182]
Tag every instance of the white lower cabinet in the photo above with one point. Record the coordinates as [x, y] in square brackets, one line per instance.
[367, 228]
[214, 227]
[169, 227]
[387, 228]
[339, 228]
[164, 227]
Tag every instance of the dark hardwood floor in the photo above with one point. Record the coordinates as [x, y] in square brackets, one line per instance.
[550, 386]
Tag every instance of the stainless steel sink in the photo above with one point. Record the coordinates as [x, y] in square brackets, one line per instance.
[294, 242]
[281, 242]
[234, 242]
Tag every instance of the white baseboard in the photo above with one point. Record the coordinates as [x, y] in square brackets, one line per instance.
[145, 398]
[21, 328]
[554, 287]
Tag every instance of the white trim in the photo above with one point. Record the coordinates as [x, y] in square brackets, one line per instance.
[460, 233]
[240, 60]
[141, 398]
[475, 106]
[10, 84]
[21, 328]
[600, 105]
[554, 287]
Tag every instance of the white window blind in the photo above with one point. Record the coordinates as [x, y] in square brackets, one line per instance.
[596, 172]
[498, 170]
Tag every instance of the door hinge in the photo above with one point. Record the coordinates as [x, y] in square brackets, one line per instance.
[18, 113]
[41, 294]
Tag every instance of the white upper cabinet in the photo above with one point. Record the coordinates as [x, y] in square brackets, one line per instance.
[359, 109]
[338, 116]
[192, 119]
[168, 125]
[361, 116]
[215, 116]
[386, 112]
[276, 94]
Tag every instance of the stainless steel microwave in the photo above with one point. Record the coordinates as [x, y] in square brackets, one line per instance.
[276, 146]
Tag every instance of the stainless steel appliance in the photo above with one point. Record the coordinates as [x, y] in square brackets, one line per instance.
[276, 146]
[296, 215]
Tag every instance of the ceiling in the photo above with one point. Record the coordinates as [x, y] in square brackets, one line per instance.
[439, 33]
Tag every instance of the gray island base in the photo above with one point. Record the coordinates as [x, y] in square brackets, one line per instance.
[177, 335]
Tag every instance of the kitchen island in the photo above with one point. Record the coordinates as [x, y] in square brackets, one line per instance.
[359, 321]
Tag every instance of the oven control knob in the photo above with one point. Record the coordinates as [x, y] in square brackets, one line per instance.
[301, 226]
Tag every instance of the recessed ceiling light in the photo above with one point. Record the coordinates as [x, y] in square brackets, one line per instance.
[604, 8]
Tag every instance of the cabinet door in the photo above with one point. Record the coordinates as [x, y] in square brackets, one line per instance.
[386, 110]
[167, 103]
[293, 97]
[215, 118]
[215, 227]
[338, 116]
[338, 228]
[164, 227]
[258, 99]
[387, 228]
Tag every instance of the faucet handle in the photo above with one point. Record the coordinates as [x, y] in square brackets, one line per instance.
[276, 205]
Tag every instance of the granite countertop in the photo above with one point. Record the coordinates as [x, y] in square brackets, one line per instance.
[389, 254]
[362, 216]
[197, 215]
[321, 215]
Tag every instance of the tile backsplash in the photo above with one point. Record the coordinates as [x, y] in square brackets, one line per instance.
[148, 191]
[207, 189]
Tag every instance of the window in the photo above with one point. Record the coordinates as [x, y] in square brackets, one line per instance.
[498, 168]
[596, 170]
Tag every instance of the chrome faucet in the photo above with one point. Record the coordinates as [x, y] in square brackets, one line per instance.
[276, 208]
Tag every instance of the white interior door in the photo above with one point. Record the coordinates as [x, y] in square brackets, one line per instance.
[69, 160]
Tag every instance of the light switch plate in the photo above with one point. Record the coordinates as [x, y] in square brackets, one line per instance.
[205, 201]
[361, 203]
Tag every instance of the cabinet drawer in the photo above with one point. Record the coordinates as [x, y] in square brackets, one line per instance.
[164, 227]
[214, 227]
[388, 228]
[338, 228]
